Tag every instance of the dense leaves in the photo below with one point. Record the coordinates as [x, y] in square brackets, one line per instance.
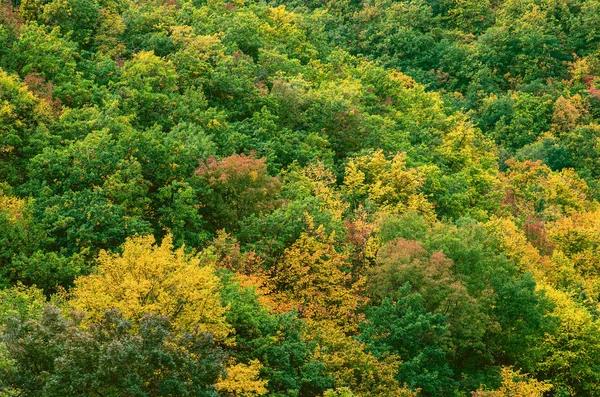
[299, 198]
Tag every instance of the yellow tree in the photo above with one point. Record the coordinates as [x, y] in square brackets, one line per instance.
[516, 247]
[388, 184]
[534, 190]
[318, 181]
[12, 207]
[567, 112]
[353, 367]
[314, 279]
[578, 237]
[152, 278]
[576, 242]
[516, 384]
[243, 381]
[569, 355]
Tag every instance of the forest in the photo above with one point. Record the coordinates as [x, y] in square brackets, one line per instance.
[299, 198]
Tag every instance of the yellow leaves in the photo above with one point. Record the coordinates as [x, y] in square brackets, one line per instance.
[215, 124]
[570, 351]
[7, 110]
[29, 9]
[243, 381]
[533, 188]
[567, 112]
[311, 278]
[207, 46]
[402, 79]
[352, 367]
[516, 246]
[516, 384]
[149, 278]
[577, 241]
[580, 68]
[281, 16]
[573, 261]
[283, 24]
[253, 175]
[386, 183]
[457, 140]
[12, 206]
[354, 178]
[577, 233]
[111, 26]
[182, 34]
[320, 182]
[15, 100]
[339, 392]
[463, 145]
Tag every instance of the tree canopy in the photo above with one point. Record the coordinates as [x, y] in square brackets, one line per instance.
[299, 198]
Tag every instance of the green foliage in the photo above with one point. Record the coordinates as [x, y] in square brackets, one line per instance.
[20, 302]
[515, 120]
[47, 270]
[75, 17]
[402, 326]
[53, 356]
[50, 55]
[277, 341]
[408, 186]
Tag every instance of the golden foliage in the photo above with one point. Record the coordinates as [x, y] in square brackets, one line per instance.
[569, 352]
[312, 279]
[389, 184]
[352, 367]
[150, 278]
[576, 242]
[515, 384]
[111, 26]
[578, 236]
[243, 381]
[532, 188]
[567, 112]
[320, 182]
[12, 206]
[517, 248]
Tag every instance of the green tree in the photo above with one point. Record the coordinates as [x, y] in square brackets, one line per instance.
[147, 87]
[288, 359]
[402, 326]
[53, 356]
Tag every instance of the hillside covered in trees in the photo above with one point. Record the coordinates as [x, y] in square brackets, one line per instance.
[288, 198]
